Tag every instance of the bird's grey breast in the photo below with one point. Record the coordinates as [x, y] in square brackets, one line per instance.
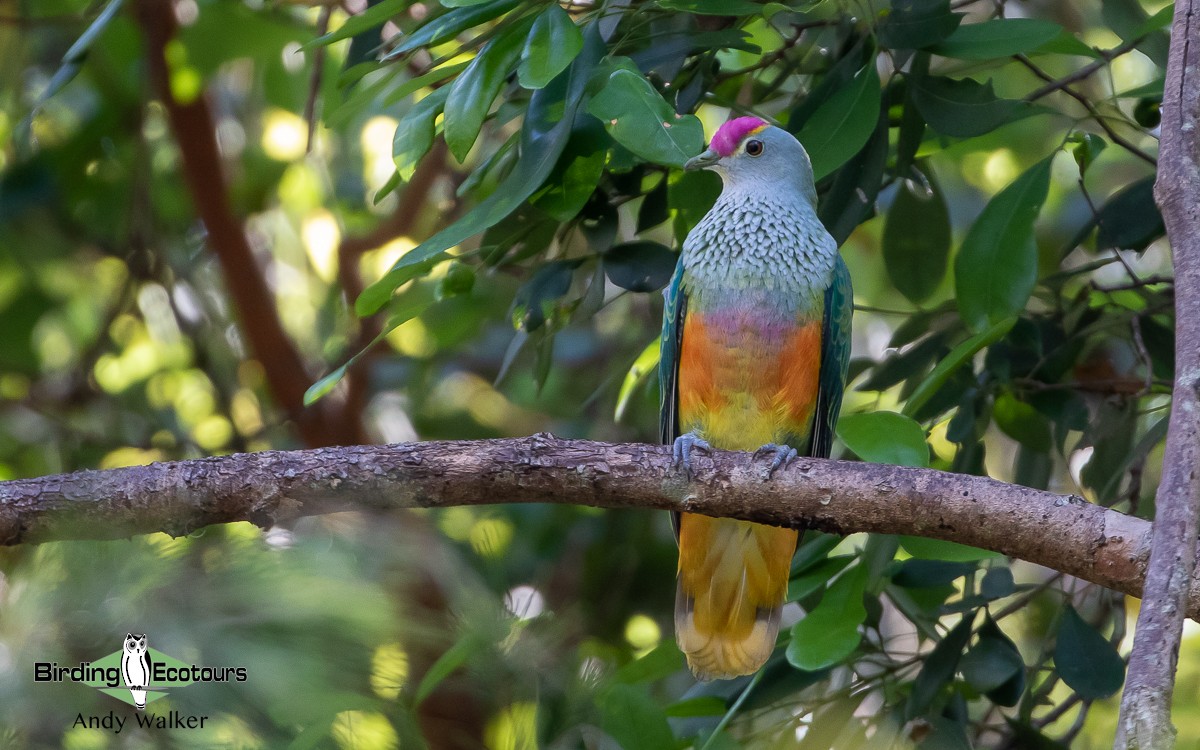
[747, 242]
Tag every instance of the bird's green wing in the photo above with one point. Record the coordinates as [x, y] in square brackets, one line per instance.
[668, 361]
[835, 359]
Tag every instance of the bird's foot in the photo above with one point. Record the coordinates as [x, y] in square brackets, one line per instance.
[783, 456]
[681, 451]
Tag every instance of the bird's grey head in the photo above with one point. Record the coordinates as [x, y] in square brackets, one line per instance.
[753, 155]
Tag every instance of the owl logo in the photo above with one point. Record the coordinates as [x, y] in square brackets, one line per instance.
[135, 667]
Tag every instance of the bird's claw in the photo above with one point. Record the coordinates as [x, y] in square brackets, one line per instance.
[783, 456]
[681, 451]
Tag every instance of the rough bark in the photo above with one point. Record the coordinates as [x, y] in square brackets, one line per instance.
[1062, 532]
[1145, 719]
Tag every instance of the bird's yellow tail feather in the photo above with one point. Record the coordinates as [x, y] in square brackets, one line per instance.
[733, 578]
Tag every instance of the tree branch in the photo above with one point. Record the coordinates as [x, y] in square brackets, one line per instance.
[195, 133]
[1145, 720]
[1062, 532]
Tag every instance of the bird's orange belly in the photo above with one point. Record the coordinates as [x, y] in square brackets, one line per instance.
[746, 379]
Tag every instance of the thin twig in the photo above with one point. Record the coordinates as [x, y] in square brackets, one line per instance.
[1116, 137]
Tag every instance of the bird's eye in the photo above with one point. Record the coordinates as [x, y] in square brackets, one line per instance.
[754, 148]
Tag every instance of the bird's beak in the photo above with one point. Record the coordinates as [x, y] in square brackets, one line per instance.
[703, 161]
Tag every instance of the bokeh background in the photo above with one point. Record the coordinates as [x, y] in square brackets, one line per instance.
[190, 204]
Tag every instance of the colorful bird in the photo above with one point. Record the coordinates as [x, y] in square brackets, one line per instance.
[755, 344]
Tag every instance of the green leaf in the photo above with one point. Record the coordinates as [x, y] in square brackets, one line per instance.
[1086, 148]
[731, 8]
[1159, 20]
[577, 173]
[914, 24]
[544, 135]
[957, 357]
[1151, 90]
[415, 132]
[1022, 422]
[414, 84]
[916, 240]
[633, 718]
[1131, 22]
[850, 200]
[816, 577]
[1110, 432]
[841, 126]
[938, 549]
[990, 663]
[641, 266]
[885, 437]
[552, 44]
[999, 37]
[375, 15]
[997, 656]
[665, 659]
[453, 658]
[690, 195]
[448, 25]
[645, 365]
[829, 633]
[1130, 220]
[639, 119]
[705, 705]
[402, 311]
[996, 267]
[918, 573]
[813, 550]
[997, 583]
[72, 61]
[473, 92]
[1067, 43]
[535, 301]
[1085, 660]
[966, 108]
[939, 667]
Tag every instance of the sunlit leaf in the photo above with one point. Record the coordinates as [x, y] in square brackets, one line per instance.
[829, 633]
[544, 135]
[552, 44]
[639, 119]
[415, 132]
[885, 437]
[939, 549]
[1022, 422]
[840, 127]
[449, 25]
[372, 16]
[472, 93]
[644, 366]
[957, 357]
[996, 268]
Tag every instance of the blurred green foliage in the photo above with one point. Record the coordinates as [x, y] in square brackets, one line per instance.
[493, 187]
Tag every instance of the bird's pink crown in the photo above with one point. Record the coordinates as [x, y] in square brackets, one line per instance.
[731, 133]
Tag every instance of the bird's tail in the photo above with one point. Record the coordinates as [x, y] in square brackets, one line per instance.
[733, 578]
